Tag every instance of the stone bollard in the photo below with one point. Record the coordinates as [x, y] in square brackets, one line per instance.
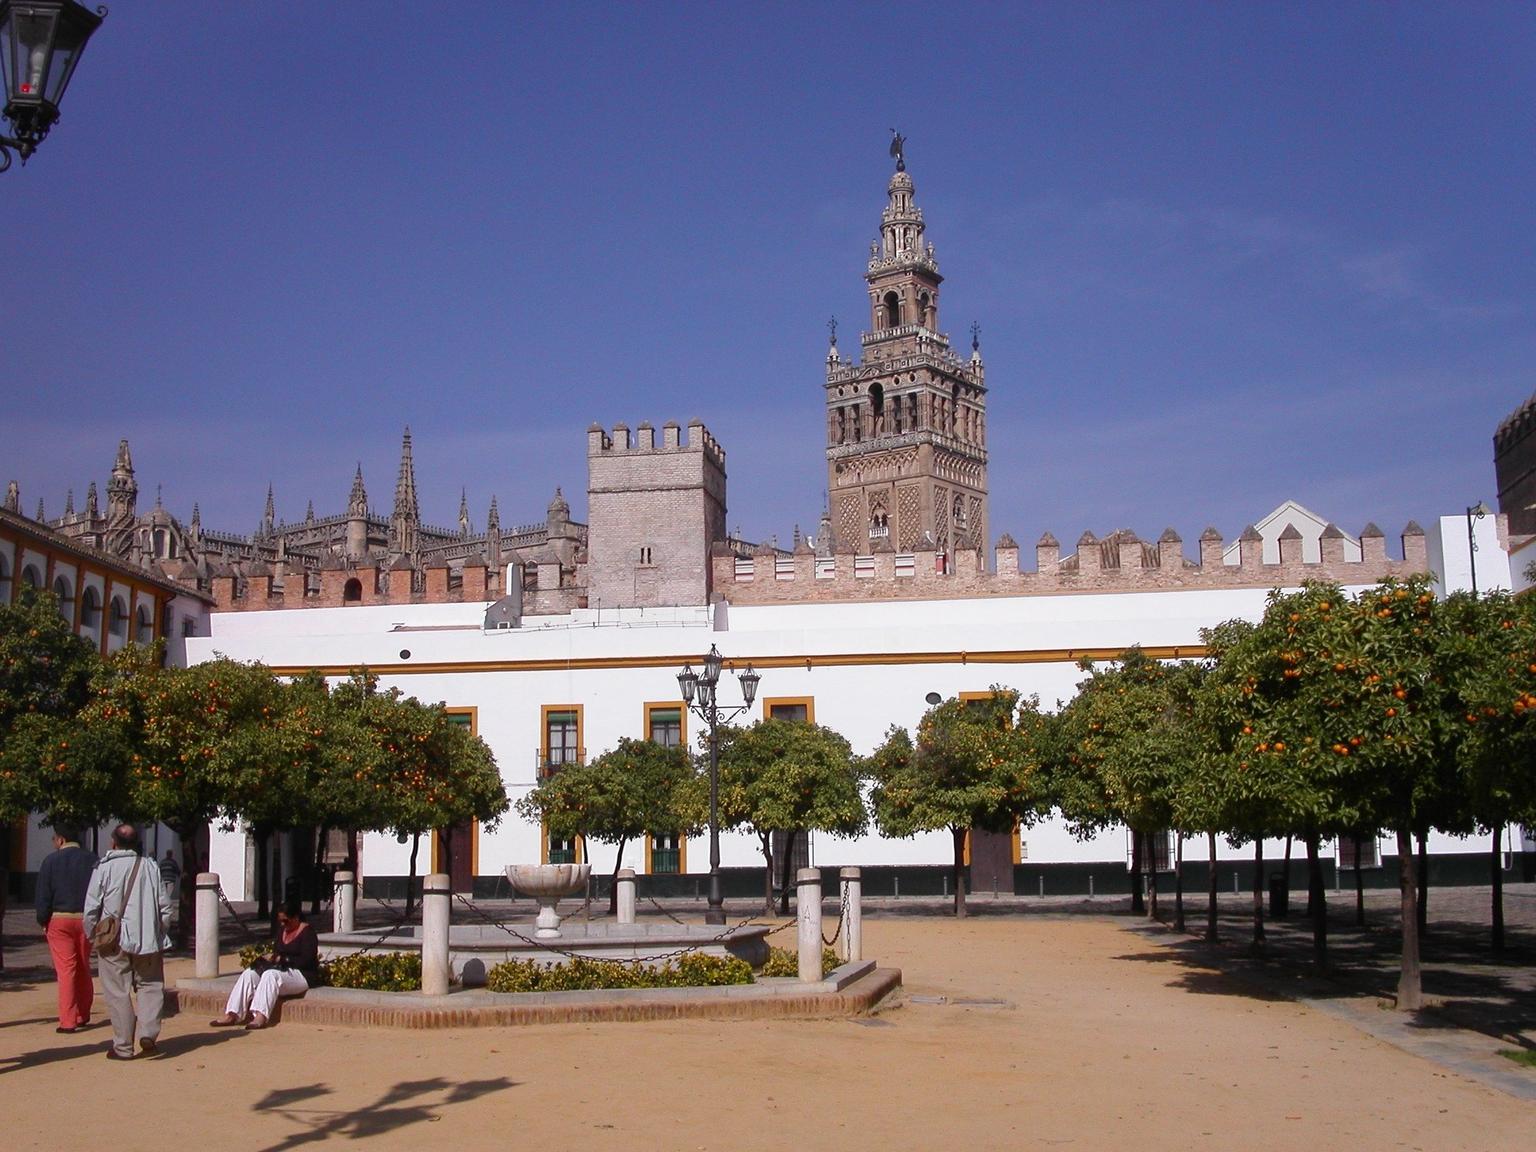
[626, 895]
[207, 913]
[344, 902]
[436, 898]
[853, 915]
[808, 912]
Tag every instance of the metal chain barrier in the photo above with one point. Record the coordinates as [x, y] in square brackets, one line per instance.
[842, 918]
[230, 908]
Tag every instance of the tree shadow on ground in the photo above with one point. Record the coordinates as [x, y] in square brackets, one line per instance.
[1465, 983]
[408, 1102]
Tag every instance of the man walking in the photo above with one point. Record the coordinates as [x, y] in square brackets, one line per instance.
[62, 880]
[124, 885]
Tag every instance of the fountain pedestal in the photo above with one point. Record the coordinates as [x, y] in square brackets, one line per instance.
[547, 884]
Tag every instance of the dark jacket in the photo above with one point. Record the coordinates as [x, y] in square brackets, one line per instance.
[62, 879]
[302, 953]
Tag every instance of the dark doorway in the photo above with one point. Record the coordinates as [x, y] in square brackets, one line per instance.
[992, 861]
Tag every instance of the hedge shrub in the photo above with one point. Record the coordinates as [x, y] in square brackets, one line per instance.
[582, 973]
[784, 962]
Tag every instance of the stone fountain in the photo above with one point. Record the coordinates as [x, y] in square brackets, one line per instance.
[547, 884]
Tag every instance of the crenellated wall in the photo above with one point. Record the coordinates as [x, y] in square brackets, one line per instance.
[1118, 563]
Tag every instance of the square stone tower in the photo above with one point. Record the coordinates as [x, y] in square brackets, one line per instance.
[653, 511]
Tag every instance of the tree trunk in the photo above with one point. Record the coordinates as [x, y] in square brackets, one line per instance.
[278, 879]
[1422, 909]
[1410, 990]
[317, 870]
[5, 882]
[959, 835]
[1286, 868]
[1359, 885]
[1178, 882]
[263, 876]
[1317, 900]
[1138, 902]
[410, 879]
[1258, 893]
[787, 881]
[613, 885]
[1496, 875]
[1151, 857]
[1211, 932]
[767, 840]
[186, 897]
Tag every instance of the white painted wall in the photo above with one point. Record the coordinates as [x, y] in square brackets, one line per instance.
[453, 661]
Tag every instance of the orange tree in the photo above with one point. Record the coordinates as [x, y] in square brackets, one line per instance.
[788, 777]
[974, 764]
[634, 789]
[415, 769]
[1120, 740]
[1487, 666]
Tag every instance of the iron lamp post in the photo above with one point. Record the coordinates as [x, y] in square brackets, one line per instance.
[1474, 513]
[40, 44]
[700, 695]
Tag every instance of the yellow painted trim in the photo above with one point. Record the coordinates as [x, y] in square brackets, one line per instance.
[824, 660]
[544, 711]
[965, 856]
[581, 846]
[1018, 850]
[772, 702]
[682, 712]
[474, 828]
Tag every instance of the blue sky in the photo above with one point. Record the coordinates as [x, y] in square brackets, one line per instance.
[1221, 255]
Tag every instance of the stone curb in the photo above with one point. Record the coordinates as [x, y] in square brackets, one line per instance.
[843, 993]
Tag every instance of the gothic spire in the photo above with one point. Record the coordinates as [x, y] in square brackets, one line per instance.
[122, 489]
[92, 508]
[407, 516]
[493, 520]
[41, 517]
[309, 513]
[13, 497]
[196, 526]
[464, 513]
[268, 516]
[357, 502]
[69, 502]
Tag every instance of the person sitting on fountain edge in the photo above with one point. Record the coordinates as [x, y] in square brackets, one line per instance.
[290, 969]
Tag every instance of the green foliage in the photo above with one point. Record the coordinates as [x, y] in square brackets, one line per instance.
[781, 776]
[582, 973]
[254, 952]
[636, 788]
[375, 971]
[45, 675]
[1123, 736]
[974, 764]
[785, 962]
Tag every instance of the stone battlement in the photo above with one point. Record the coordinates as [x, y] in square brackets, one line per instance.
[643, 439]
[1118, 563]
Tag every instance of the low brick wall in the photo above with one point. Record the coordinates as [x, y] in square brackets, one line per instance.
[831, 997]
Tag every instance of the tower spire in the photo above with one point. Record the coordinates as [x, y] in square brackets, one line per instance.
[268, 516]
[357, 502]
[122, 489]
[464, 513]
[407, 515]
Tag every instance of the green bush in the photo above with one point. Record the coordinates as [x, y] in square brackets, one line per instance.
[582, 973]
[375, 972]
[254, 952]
[783, 962]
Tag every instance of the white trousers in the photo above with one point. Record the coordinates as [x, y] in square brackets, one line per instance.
[253, 993]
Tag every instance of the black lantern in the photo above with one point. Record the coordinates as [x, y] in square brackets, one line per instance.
[40, 44]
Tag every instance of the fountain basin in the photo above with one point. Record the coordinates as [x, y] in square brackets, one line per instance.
[546, 884]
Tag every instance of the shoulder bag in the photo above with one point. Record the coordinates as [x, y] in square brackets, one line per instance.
[106, 938]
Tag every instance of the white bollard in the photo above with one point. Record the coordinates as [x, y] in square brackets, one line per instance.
[626, 895]
[207, 913]
[808, 913]
[344, 902]
[853, 914]
[436, 895]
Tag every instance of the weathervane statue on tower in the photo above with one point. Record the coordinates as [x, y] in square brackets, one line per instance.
[898, 143]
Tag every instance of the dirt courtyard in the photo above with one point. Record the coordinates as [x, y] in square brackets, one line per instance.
[1086, 1035]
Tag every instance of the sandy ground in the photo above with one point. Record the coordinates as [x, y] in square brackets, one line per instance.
[1102, 1039]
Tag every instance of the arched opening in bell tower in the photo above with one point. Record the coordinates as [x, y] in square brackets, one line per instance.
[892, 310]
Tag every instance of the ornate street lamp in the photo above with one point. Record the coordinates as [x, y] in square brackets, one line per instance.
[700, 687]
[1475, 513]
[40, 44]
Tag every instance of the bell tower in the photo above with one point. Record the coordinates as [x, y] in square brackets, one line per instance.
[906, 425]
